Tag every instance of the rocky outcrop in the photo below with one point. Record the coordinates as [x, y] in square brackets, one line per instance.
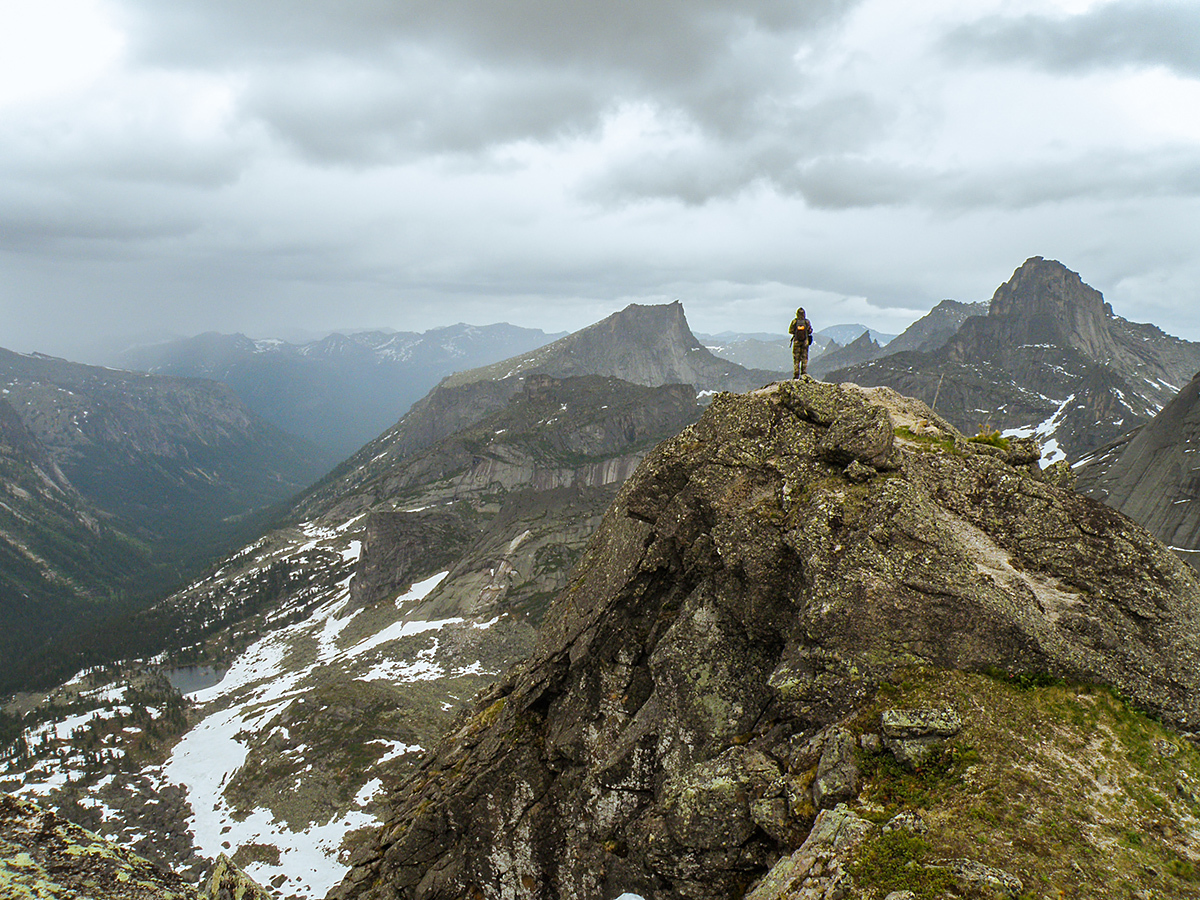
[43, 855]
[1050, 358]
[229, 882]
[1153, 475]
[742, 596]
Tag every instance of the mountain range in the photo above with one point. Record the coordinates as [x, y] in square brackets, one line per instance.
[339, 391]
[121, 483]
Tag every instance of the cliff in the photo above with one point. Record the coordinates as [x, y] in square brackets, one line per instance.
[766, 589]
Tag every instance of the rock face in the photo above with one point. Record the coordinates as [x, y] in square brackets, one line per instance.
[1050, 359]
[741, 596]
[1153, 475]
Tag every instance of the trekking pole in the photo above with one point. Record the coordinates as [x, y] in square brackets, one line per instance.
[935, 393]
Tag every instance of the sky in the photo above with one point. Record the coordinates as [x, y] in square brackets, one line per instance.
[279, 168]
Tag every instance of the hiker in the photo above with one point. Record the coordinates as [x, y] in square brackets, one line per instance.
[801, 332]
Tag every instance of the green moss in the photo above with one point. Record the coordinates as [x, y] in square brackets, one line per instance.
[928, 442]
[895, 862]
[895, 786]
[991, 438]
[1065, 785]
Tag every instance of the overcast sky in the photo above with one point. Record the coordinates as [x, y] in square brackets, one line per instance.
[265, 166]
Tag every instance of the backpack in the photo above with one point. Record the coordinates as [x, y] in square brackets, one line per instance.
[801, 329]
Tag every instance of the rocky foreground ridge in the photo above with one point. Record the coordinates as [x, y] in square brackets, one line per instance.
[705, 682]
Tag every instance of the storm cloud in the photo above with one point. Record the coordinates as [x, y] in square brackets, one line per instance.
[254, 166]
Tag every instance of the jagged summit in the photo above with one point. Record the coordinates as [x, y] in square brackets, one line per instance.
[754, 583]
[928, 333]
[1043, 303]
[644, 345]
[648, 345]
[1050, 358]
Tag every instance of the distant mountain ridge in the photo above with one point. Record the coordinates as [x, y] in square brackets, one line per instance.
[926, 334]
[340, 391]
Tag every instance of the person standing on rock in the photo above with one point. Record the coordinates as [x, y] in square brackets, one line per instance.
[802, 335]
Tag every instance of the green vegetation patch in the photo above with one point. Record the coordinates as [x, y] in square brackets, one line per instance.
[991, 438]
[897, 861]
[927, 441]
[1066, 786]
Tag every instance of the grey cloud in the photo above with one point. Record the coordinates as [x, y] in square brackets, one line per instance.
[790, 139]
[371, 81]
[668, 38]
[849, 182]
[1113, 34]
[332, 114]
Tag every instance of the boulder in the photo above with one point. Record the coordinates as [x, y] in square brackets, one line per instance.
[817, 870]
[837, 773]
[911, 733]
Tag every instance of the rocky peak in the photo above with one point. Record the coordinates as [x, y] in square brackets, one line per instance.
[756, 580]
[1046, 303]
[647, 345]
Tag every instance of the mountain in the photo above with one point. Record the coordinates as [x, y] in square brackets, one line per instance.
[861, 349]
[926, 334]
[347, 638]
[1050, 358]
[306, 389]
[173, 458]
[795, 604]
[642, 344]
[937, 327]
[116, 485]
[772, 352]
[646, 345]
[846, 334]
[61, 561]
[1153, 474]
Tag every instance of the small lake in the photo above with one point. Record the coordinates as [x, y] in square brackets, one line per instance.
[189, 679]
